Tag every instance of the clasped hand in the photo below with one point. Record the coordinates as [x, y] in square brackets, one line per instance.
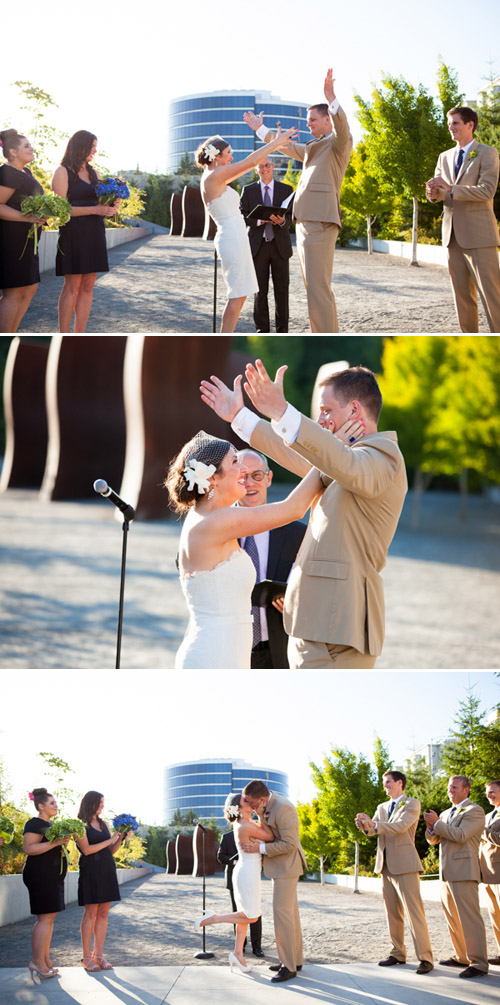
[430, 817]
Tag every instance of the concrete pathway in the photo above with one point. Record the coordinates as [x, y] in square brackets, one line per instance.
[165, 284]
[358, 984]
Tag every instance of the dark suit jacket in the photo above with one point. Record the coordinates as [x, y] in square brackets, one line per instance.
[251, 196]
[228, 856]
[284, 543]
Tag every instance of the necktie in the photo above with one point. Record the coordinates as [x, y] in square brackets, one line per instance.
[493, 815]
[251, 549]
[459, 162]
[391, 809]
[268, 228]
[452, 814]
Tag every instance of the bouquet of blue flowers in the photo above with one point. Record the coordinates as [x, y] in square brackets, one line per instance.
[6, 829]
[47, 206]
[110, 189]
[125, 822]
[62, 829]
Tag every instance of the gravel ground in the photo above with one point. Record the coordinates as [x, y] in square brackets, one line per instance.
[152, 926]
[165, 284]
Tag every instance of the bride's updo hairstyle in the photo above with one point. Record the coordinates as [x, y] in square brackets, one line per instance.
[208, 150]
[203, 448]
[232, 807]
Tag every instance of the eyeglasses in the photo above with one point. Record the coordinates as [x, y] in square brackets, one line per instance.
[256, 476]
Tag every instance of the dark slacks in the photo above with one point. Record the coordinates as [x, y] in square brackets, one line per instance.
[268, 260]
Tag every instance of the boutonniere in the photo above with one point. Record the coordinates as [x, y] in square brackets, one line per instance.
[461, 810]
[472, 154]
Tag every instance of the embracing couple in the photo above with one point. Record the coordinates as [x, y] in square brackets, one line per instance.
[271, 843]
[354, 482]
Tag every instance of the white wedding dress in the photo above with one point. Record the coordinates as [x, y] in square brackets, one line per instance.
[219, 633]
[232, 245]
[247, 880]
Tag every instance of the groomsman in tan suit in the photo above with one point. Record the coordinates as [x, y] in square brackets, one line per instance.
[489, 861]
[466, 180]
[316, 207]
[283, 862]
[334, 603]
[458, 832]
[395, 823]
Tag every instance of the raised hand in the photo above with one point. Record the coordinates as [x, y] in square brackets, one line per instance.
[219, 397]
[329, 91]
[267, 395]
[252, 120]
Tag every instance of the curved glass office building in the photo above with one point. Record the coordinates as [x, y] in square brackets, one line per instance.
[195, 117]
[202, 786]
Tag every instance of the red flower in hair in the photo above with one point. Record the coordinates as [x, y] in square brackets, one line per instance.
[31, 796]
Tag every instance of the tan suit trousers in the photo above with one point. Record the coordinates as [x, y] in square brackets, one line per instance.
[466, 927]
[493, 891]
[402, 893]
[316, 248]
[287, 930]
[306, 655]
[473, 269]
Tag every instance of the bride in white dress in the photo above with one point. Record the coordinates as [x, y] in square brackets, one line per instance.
[246, 878]
[223, 204]
[204, 481]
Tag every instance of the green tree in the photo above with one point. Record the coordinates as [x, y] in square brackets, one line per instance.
[43, 135]
[320, 846]
[292, 177]
[472, 748]
[363, 192]
[58, 770]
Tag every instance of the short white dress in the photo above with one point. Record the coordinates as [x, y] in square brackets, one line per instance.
[247, 879]
[232, 245]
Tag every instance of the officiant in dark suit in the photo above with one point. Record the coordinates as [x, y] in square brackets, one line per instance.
[270, 244]
[273, 552]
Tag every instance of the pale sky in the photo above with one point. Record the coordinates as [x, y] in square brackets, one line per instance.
[120, 729]
[116, 80]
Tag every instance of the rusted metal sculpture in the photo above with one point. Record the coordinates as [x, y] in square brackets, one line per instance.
[176, 215]
[207, 856]
[184, 855]
[193, 213]
[170, 857]
[25, 415]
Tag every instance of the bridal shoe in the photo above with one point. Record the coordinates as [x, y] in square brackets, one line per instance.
[236, 963]
[198, 921]
[42, 974]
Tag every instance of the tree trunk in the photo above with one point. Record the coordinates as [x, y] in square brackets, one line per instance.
[421, 482]
[464, 496]
[322, 869]
[414, 234]
[369, 234]
[356, 866]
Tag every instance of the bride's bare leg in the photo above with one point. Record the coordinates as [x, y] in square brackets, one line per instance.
[236, 918]
[239, 941]
[231, 313]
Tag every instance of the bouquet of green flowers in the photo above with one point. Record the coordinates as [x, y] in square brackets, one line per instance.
[6, 829]
[46, 206]
[63, 829]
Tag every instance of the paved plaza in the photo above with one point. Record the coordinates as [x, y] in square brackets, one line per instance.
[60, 568]
[165, 284]
[152, 945]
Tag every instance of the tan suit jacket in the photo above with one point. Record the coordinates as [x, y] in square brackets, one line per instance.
[469, 211]
[397, 837]
[459, 842]
[284, 856]
[325, 162]
[489, 851]
[335, 592]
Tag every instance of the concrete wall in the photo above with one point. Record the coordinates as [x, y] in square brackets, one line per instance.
[429, 888]
[433, 253]
[47, 247]
[14, 897]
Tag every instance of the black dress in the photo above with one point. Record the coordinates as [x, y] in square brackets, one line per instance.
[97, 883]
[18, 268]
[82, 240]
[42, 873]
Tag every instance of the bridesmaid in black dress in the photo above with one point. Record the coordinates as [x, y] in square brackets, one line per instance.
[97, 883]
[82, 249]
[19, 272]
[44, 879]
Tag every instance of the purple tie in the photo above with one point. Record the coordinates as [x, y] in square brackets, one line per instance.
[251, 549]
[268, 228]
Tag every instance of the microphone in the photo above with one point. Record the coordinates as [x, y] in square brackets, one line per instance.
[102, 488]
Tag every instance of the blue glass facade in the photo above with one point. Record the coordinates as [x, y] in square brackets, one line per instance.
[195, 117]
[202, 786]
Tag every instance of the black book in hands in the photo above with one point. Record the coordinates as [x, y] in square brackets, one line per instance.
[265, 592]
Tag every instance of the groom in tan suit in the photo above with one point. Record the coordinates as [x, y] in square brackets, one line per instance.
[466, 181]
[489, 861]
[283, 862]
[334, 602]
[395, 823]
[316, 207]
[458, 832]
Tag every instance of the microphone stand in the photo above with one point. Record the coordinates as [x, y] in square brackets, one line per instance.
[214, 314]
[125, 529]
[204, 955]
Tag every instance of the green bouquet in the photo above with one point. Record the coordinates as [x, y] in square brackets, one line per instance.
[6, 829]
[48, 206]
[63, 829]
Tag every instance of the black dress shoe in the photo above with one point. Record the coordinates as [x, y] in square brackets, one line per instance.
[473, 972]
[495, 961]
[391, 961]
[279, 966]
[257, 951]
[424, 967]
[284, 974]
[451, 963]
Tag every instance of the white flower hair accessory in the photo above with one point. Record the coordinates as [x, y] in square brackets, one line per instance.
[211, 152]
[197, 473]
